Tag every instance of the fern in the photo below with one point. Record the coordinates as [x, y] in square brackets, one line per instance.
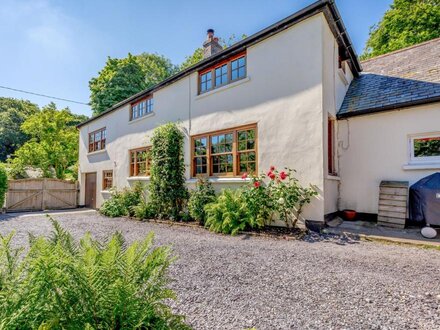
[63, 284]
[228, 214]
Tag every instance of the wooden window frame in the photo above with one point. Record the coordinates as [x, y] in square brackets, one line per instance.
[235, 153]
[135, 172]
[218, 65]
[331, 147]
[93, 146]
[148, 107]
[105, 180]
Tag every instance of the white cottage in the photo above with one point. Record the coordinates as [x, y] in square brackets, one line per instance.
[283, 89]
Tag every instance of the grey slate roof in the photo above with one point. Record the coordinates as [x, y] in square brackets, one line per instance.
[400, 79]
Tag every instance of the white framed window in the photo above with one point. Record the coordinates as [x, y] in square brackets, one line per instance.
[424, 148]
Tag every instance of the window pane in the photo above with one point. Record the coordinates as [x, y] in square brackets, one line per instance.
[241, 62]
[427, 147]
[234, 64]
[234, 74]
[241, 73]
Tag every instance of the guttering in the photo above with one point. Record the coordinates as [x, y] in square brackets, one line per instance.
[344, 37]
[309, 11]
[391, 107]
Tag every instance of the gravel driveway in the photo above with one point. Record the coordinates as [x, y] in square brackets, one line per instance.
[243, 282]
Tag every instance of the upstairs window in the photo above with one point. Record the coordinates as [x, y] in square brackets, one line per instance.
[425, 148]
[140, 162]
[230, 152]
[238, 68]
[206, 82]
[97, 140]
[141, 108]
[223, 73]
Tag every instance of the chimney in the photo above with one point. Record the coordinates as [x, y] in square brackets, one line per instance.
[211, 45]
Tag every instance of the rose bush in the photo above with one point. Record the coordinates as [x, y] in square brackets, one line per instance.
[277, 193]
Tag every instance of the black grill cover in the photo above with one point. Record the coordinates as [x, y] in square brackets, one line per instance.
[424, 200]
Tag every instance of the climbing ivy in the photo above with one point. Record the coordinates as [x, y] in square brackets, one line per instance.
[167, 179]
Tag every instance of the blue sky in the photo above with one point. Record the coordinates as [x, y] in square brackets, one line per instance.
[54, 47]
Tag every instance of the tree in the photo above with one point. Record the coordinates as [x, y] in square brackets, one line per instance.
[155, 67]
[53, 144]
[195, 58]
[122, 78]
[406, 23]
[13, 113]
[119, 79]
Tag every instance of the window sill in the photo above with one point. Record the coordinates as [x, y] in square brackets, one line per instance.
[333, 177]
[223, 88]
[138, 178]
[428, 166]
[96, 152]
[341, 74]
[141, 118]
[222, 180]
[106, 192]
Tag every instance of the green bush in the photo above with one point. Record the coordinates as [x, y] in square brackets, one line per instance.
[62, 284]
[144, 210]
[3, 184]
[229, 214]
[199, 198]
[167, 180]
[121, 203]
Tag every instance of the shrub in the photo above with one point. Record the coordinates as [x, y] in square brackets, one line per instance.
[228, 214]
[145, 209]
[167, 181]
[3, 184]
[61, 284]
[121, 203]
[278, 193]
[199, 198]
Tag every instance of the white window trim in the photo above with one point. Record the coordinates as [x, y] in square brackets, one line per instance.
[223, 87]
[132, 121]
[421, 163]
[433, 160]
[101, 151]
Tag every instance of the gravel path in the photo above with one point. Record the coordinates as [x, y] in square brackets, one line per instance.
[243, 282]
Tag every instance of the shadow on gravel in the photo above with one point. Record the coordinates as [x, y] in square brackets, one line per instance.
[343, 239]
[6, 217]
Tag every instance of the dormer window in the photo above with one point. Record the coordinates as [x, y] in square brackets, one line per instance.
[141, 108]
[223, 73]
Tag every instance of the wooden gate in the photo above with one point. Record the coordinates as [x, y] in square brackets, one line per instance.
[41, 194]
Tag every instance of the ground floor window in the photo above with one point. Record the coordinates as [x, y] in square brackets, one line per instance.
[140, 162]
[107, 180]
[425, 148]
[331, 149]
[230, 152]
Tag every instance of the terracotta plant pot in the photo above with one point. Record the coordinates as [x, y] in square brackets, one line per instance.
[349, 215]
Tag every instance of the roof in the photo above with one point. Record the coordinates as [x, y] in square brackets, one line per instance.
[327, 7]
[404, 78]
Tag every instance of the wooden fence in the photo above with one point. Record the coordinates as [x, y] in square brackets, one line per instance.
[41, 194]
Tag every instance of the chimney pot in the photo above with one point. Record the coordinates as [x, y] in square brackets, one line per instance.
[211, 46]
